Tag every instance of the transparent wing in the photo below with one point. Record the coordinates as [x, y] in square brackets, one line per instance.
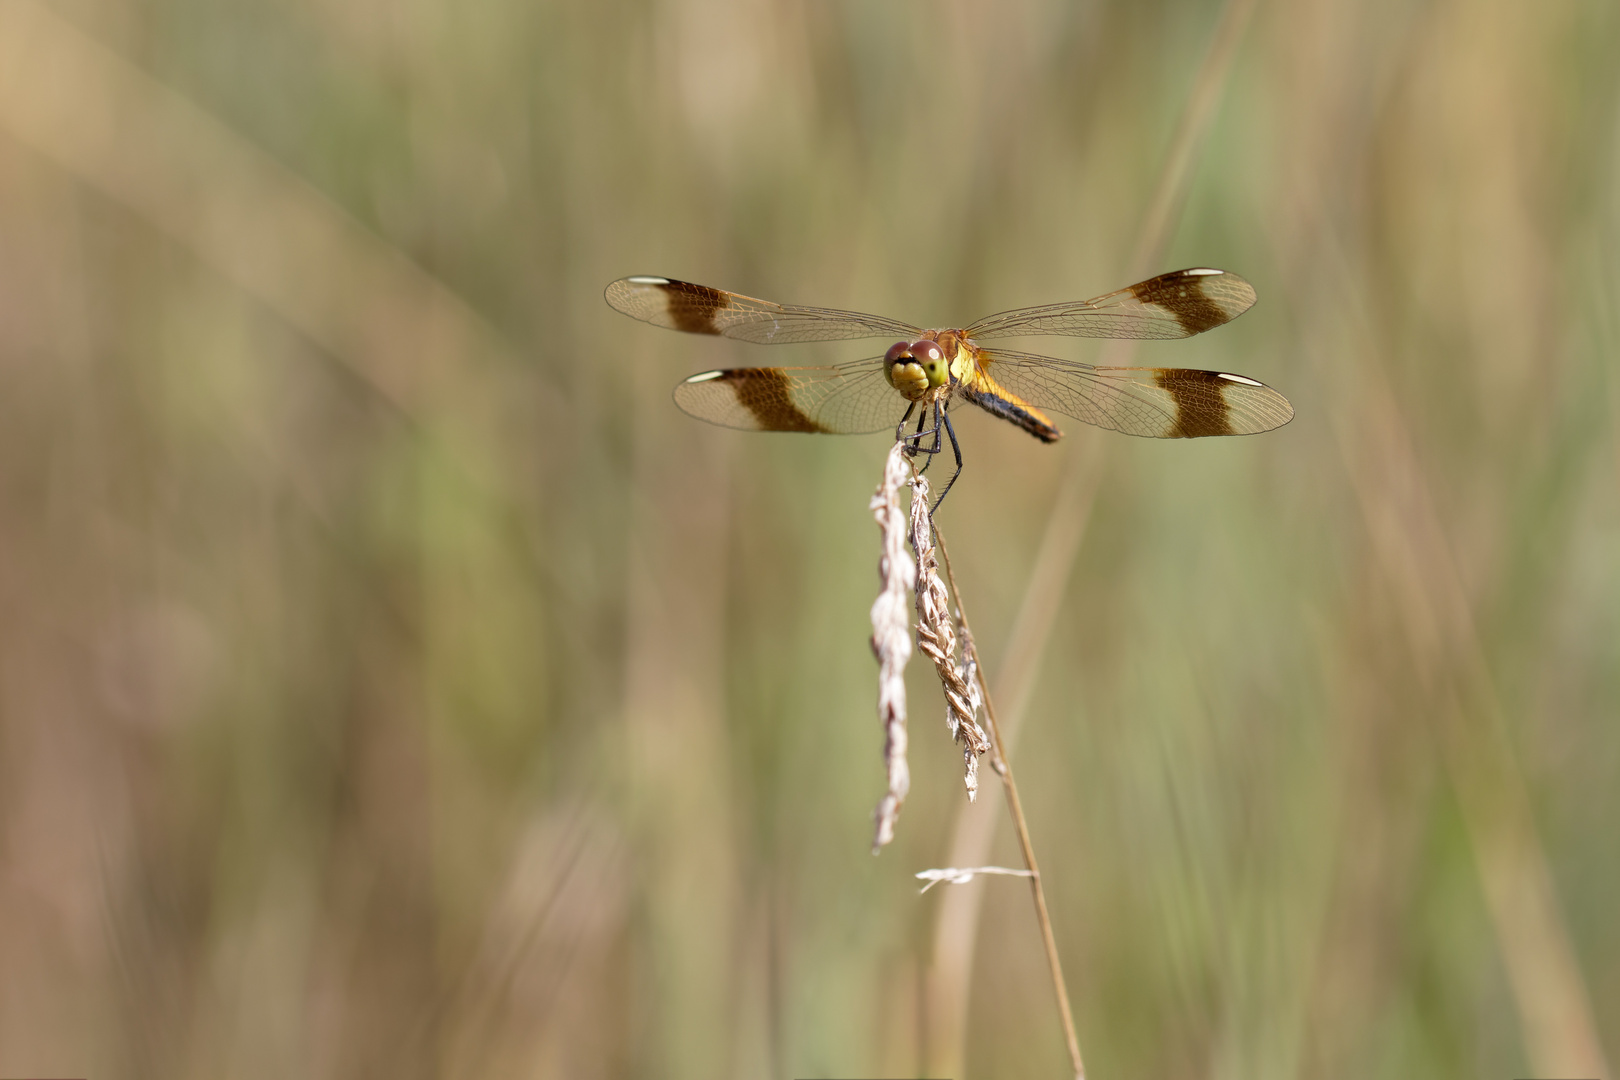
[1173, 305]
[848, 399]
[698, 309]
[1162, 403]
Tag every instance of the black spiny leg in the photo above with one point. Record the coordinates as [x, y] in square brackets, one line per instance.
[932, 450]
[914, 440]
[942, 417]
[900, 428]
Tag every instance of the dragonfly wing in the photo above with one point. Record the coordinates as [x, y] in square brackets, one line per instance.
[848, 399]
[698, 309]
[1161, 403]
[1173, 305]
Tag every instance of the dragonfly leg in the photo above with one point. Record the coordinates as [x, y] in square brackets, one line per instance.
[931, 451]
[914, 440]
[900, 429]
[943, 418]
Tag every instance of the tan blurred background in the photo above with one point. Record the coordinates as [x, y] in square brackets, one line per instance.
[394, 683]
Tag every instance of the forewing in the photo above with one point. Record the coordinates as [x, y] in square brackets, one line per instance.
[1173, 305]
[848, 399]
[698, 309]
[1161, 403]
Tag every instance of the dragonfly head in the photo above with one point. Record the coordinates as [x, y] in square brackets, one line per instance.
[916, 367]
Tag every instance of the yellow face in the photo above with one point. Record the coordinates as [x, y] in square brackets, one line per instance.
[915, 367]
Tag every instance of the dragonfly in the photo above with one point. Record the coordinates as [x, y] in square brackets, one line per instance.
[926, 372]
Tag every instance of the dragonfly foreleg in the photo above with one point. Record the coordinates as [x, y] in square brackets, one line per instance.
[914, 440]
[900, 428]
[921, 433]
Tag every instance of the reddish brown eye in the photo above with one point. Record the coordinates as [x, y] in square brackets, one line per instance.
[899, 350]
[927, 352]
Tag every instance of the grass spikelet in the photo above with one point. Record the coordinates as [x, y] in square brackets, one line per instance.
[937, 637]
[891, 638]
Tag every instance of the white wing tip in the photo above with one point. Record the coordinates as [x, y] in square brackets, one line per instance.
[704, 376]
[1238, 378]
[645, 280]
[1195, 270]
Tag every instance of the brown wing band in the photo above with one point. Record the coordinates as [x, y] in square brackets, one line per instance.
[764, 393]
[692, 307]
[1200, 402]
[1183, 296]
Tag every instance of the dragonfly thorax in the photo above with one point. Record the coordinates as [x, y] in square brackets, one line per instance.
[916, 367]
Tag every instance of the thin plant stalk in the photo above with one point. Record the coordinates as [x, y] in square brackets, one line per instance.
[1000, 761]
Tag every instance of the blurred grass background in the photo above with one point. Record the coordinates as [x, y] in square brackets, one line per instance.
[393, 682]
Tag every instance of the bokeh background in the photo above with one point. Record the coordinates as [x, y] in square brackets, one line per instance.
[393, 682]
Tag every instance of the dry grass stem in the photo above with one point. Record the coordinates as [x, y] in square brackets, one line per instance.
[891, 638]
[937, 637]
[1015, 807]
[939, 634]
[961, 875]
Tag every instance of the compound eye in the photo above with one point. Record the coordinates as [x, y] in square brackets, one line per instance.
[903, 371]
[932, 359]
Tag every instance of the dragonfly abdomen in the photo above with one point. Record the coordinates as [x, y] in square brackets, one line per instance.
[992, 399]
